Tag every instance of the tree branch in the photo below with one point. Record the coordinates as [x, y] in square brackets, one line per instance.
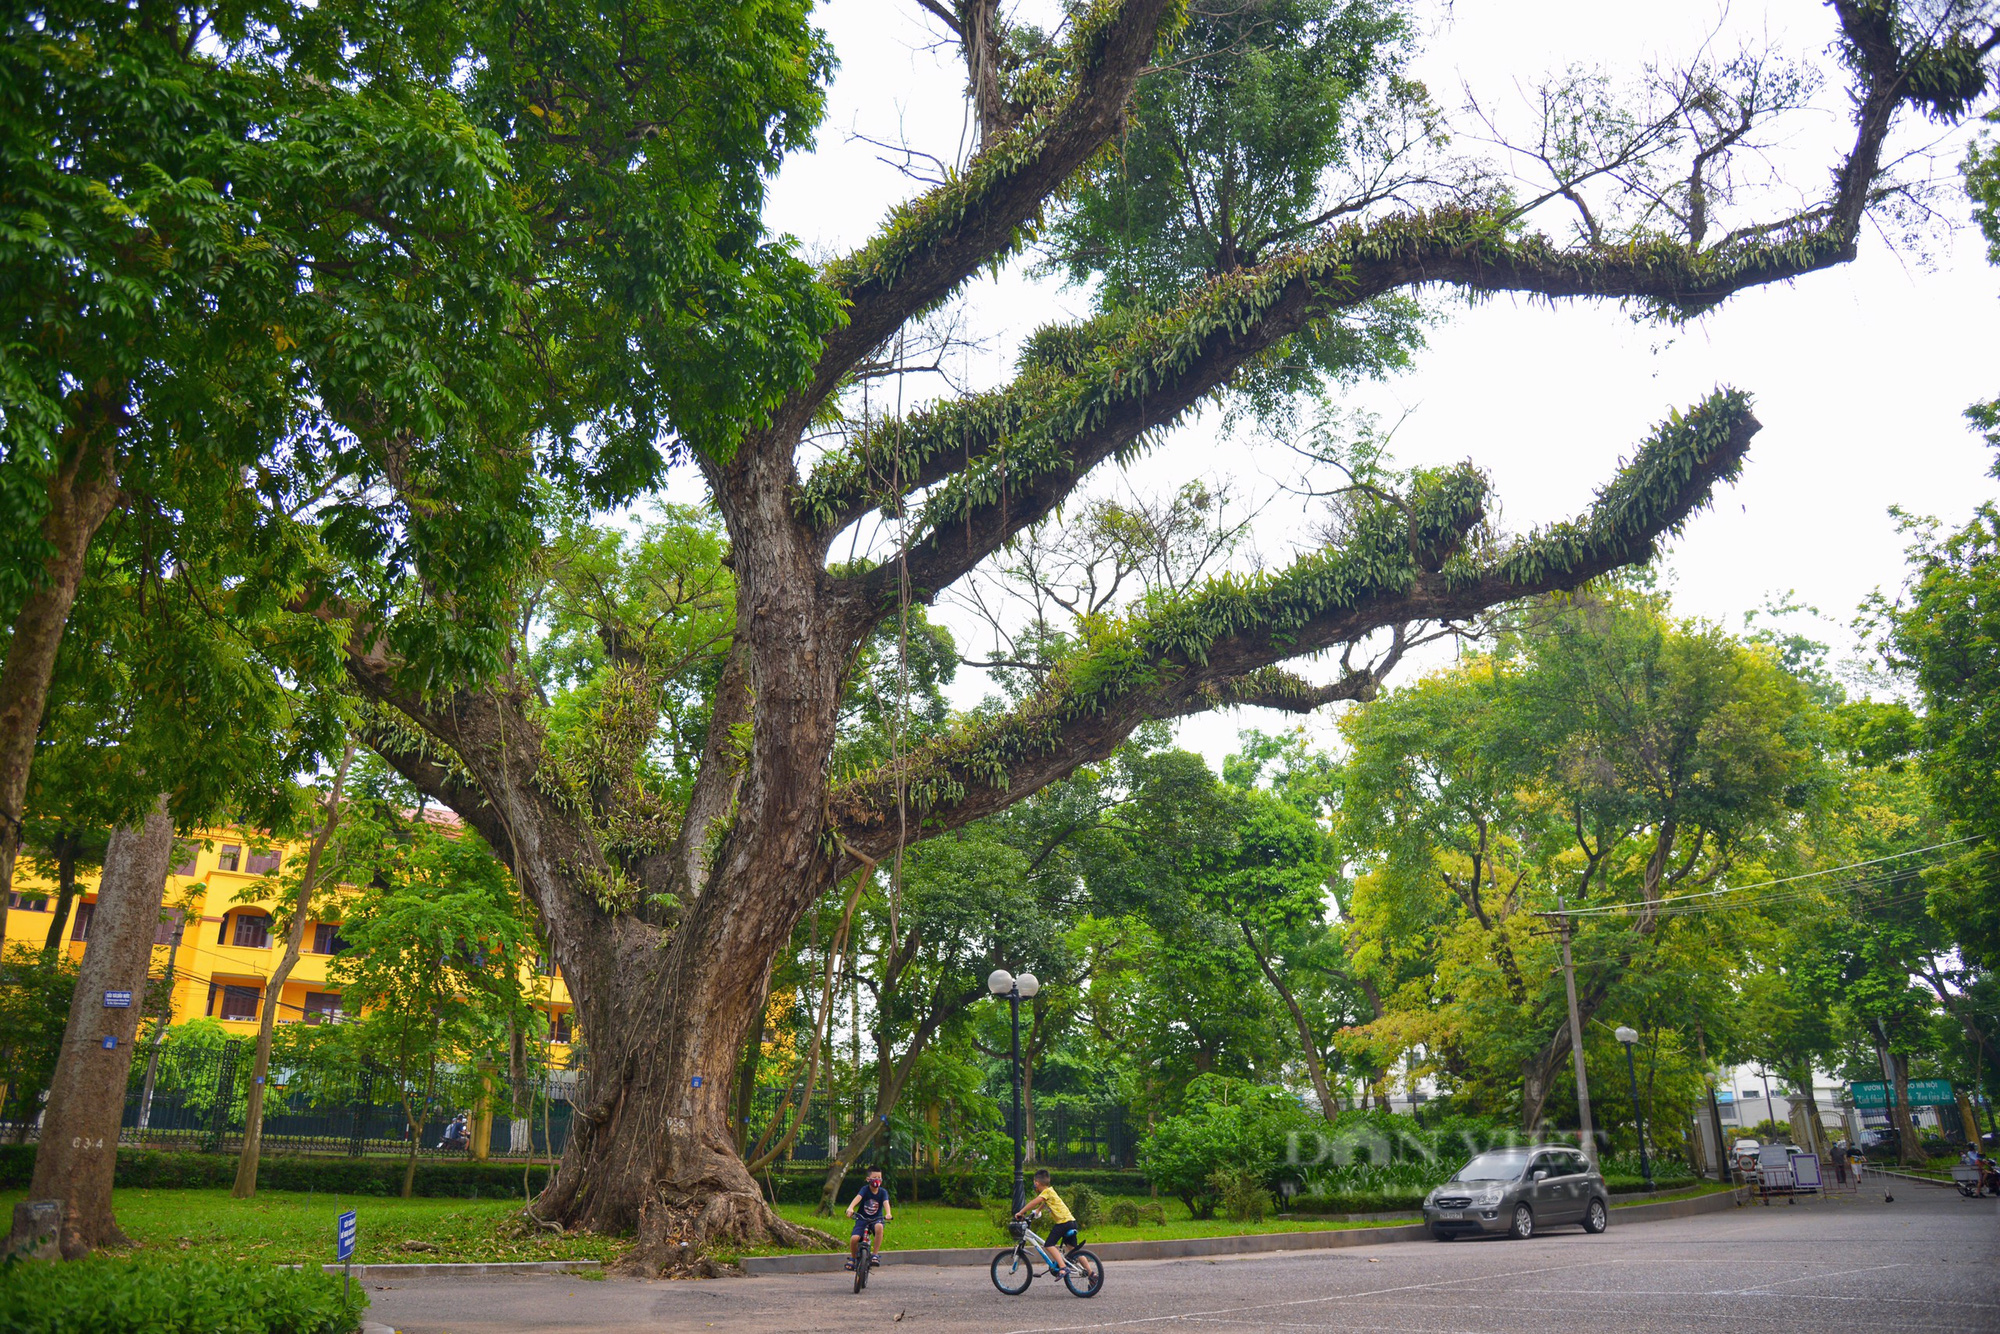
[1217, 647]
[937, 241]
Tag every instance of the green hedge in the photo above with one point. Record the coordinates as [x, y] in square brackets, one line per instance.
[153, 1169]
[1356, 1202]
[150, 1169]
[178, 1295]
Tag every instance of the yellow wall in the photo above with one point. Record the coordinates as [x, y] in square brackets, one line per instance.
[208, 955]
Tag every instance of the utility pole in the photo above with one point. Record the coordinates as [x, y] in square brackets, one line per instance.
[1576, 1036]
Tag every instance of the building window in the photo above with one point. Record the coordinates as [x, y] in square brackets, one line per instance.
[559, 1026]
[169, 928]
[326, 939]
[184, 858]
[253, 931]
[322, 1007]
[80, 930]
[237, 1002]
[28, 902]
[228, 859]
[261, 863]
[545, 964]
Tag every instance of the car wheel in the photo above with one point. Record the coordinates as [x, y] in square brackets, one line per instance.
[1596, 1218]
[1524, 1223]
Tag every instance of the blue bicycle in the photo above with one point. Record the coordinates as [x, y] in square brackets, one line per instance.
[1014, 1270]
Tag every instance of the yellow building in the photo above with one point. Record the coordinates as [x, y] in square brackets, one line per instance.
[227, 950]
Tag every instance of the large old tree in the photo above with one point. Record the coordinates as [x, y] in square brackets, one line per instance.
[666, 904]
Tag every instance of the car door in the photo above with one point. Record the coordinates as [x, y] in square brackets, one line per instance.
[1568, 1181]
[1546, 1196]
[1581, 1187]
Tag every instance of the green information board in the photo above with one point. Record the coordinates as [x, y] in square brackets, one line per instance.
[1923, 1093]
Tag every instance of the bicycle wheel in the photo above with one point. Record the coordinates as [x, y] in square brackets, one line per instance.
[861, 1267]
[1085, 1275]
[1013, 1272]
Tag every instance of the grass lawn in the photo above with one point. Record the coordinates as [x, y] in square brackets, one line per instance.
[1699, 1188]
[930, 1224]
[292, 1228]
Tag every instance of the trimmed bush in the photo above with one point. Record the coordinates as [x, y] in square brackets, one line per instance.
[1086, 1203]
[1241, 1192]
[178, 1295]
[1123, 1213]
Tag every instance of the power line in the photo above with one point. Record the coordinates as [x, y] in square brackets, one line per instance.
[1681, 899]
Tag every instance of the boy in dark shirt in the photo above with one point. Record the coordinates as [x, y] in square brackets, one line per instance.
[869, 1210]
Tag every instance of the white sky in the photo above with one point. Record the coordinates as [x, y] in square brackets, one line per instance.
[1860, 374]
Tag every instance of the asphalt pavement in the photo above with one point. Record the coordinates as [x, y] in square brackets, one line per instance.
[1928, 1262]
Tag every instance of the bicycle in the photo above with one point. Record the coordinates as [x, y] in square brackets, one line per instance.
[864, 1259]
[1083, 1275]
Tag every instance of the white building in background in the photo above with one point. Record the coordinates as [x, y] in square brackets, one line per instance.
[1745, 1099]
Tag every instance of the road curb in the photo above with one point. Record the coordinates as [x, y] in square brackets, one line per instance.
[1194, 1247]
[494, 1270]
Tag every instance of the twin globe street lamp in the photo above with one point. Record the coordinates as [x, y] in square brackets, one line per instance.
[1628, 1036]
[1016, 989]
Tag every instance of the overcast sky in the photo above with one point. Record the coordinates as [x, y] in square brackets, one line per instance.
[1859, 374]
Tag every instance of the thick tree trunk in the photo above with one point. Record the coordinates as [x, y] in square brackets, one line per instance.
[1909, 1149]
[295, 939]
[81, 492]
[79, 1143]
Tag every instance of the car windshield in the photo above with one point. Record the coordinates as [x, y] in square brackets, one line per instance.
[1500, 1165]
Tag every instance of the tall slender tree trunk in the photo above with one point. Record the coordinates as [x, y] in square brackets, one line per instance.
[1329, 1105]
[79, 1143]
[81, 492]
[67, 845]
[161, 1025]
[295, 939]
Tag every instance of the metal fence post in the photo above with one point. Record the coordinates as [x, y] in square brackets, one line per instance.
[225, 1090]
[363, 1104]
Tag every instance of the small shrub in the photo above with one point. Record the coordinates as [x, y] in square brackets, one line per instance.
[1153, 1212]
[1001, 1212]
[1241, 1194]
[149, 1295]
[1088, 1206]
[1123, 1213]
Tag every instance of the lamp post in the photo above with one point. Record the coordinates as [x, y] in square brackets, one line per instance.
[1628, 1036]
[1015, 989]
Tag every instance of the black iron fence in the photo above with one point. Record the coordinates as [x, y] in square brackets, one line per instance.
[202, 1107]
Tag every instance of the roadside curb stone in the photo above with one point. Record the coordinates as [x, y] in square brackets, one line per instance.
[1191, 1247]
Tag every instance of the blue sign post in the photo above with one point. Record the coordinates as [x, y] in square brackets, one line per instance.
[117, 1000]
[343, 1251]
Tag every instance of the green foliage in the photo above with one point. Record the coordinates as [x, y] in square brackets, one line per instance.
[1227, 1126]
[330, 1174]
[191, 1065]
[1944, 632]
[1241, 1193]
[35, 992]
[174, 1295]
[1086, 1204]
[1240, 146]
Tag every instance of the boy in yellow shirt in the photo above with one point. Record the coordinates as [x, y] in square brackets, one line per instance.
[1062, 1223]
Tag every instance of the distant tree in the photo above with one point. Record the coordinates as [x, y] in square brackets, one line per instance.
[436, 957]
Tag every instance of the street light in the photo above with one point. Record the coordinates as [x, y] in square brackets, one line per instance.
[1015, 989]
[1628, 1036]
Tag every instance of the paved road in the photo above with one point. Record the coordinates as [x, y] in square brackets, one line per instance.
[1926, 1262]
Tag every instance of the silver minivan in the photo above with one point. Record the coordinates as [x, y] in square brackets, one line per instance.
[1518, 1191]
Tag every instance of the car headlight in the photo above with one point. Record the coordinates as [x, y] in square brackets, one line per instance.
[1491, 1192]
